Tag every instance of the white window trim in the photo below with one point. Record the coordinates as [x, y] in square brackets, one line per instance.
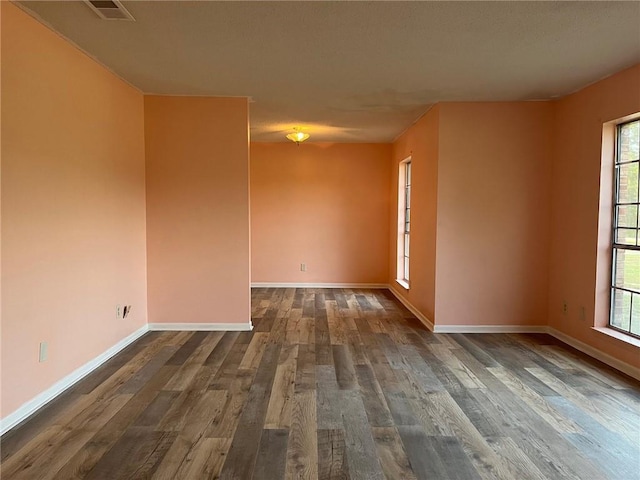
[617, 247]
[401, 278]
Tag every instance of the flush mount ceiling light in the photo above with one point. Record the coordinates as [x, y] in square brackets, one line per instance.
[298, 136]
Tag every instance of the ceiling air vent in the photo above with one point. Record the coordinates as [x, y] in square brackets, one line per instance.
[109, 9]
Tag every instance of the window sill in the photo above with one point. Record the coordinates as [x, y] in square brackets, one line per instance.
[610, 332]
[403, 283]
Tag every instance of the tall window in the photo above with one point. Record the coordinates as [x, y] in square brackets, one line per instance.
[404, 221]
[625, 277]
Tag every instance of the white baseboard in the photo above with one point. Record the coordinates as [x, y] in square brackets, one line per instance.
[318, 285]
[427, 323]
[490, 329]
[595, 353]
[624, 367]
[30, 407]
[202, 327]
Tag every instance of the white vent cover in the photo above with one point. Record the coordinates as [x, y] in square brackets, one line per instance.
[109, 9]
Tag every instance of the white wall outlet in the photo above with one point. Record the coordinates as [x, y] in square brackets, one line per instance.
[303, 267]
[118, 311]
[44, 352]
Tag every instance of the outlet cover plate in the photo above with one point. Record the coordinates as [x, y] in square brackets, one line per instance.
[44, 352]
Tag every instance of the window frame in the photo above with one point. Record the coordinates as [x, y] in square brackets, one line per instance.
[403, 242]
[615, 246]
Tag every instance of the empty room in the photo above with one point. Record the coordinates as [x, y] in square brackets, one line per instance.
[320, 240]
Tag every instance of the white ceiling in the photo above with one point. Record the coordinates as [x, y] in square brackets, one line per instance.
[355, 71]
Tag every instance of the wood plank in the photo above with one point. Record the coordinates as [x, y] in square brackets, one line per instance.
[209, 406]
[41, 462]
[544, 445]
[539, 404]
[418, 371]
[221, 350]
[252, 357]
[105, 438]
[332, 455]
[341, 383]
[361, 454]
[18, 437]
[205, 460]
[345, 371]
[136, 455]
[190, 443]
[272, 455]
[328, 399]
[456, 462]
[518, 461]
[466, 377]
[306, 331]
[337, 325]
[190, 368]
[425, 461]
[142, 376]
[625, 426]
[107, 389]
[400, 408]
[157, 409]
[188, 458]
[242, 454]
[324, 354]
[279, 409]
[306, 368]
[391, 453]
[452, 422]
[100, 375]
[302, 454]
[375, 404]
[185, 351]
[224, 424]
[229, 368]
[617, 457]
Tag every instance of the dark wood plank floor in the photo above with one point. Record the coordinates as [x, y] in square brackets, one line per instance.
[336, 384]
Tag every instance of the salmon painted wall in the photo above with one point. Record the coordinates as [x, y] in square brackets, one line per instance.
[73, 208]
[493, 213]
[1, 415]
[579, 266]
[197, 152]
[324, 205]
[421, 142]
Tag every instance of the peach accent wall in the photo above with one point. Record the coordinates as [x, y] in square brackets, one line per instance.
[421, 142]
[197, 209]
[73, 208]
[575, 273]
[493, 213]
[325, 205]
[1, 400]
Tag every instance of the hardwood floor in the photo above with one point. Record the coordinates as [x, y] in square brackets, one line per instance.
[336, 384]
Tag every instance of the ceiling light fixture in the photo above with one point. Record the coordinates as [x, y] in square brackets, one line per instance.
[298, 136]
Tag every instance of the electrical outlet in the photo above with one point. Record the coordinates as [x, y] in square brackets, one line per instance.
[118, 312]
[44, 352]
[303, 267]
[565, 307]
